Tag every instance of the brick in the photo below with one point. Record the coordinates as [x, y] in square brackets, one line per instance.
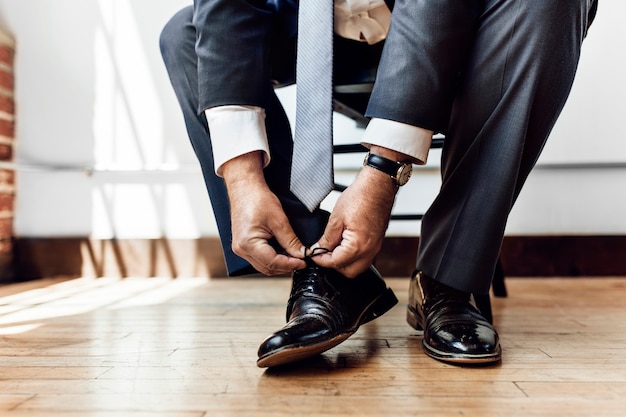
[6, 227]
[7, 178]
[7, 201]
[6, 152]
[7, 54]
[7, 104]
[7, 81]
[7, 128]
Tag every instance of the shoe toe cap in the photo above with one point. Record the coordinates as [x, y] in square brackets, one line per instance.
[296, 333]
[464, 339]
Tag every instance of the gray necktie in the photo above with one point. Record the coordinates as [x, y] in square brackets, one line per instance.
[312, 174]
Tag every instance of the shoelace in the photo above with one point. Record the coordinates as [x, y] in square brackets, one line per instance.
[314, 252]
[308, 281]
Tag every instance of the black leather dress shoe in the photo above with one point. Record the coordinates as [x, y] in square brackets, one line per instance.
[324, 309]
[454, 329]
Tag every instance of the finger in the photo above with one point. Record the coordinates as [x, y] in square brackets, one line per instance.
[273, 263]
[332, 236]
[337, 259]
[337, 262]
[264, 258]
[345, 258]
[287, 239]
[279, 265]
[326, 261]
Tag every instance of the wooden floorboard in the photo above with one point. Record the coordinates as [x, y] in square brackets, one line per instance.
[153, 347]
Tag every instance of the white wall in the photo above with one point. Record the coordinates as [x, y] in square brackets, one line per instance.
[102, 149]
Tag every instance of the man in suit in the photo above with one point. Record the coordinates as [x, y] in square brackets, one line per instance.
[225, 58]
[493, 75]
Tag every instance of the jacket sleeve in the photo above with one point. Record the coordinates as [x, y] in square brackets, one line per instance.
[233, 49]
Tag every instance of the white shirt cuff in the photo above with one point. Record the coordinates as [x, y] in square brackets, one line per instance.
[235, 131]
[400, 137]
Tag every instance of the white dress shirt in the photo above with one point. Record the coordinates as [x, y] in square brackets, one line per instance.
[237, 130]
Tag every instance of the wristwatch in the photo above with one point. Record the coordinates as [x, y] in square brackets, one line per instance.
[400, 172]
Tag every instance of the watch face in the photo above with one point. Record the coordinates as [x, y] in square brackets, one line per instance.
[403, 174]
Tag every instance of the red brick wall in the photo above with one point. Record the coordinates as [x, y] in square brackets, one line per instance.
[7, 171]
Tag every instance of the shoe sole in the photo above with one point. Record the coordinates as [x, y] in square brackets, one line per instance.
[459, 359]
[290, 354]
[415, 320]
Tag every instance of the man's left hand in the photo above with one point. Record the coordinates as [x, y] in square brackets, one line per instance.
[357, 225]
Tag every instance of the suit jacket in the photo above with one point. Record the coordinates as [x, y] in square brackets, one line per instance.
[247, 47]
[242, 45]
[244, 48]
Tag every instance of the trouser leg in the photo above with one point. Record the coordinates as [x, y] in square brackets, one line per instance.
[511, 64]
[177, 44]
[517, 79]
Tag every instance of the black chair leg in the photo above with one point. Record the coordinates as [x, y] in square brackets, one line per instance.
[483, 302]
[498, 285]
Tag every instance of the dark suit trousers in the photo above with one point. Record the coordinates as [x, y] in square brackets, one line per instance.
[223, 52]
[493, 76]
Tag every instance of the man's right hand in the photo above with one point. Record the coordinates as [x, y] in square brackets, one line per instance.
[257, 216]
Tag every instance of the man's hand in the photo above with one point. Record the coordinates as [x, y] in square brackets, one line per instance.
[357, 225]
[257, 216]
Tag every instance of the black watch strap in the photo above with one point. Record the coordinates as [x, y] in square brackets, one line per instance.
[400, 172]
[382, 164]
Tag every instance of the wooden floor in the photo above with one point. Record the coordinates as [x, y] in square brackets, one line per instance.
[187, 348]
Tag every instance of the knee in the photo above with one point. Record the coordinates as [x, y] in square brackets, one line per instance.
[549, 16]
[178, 35]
